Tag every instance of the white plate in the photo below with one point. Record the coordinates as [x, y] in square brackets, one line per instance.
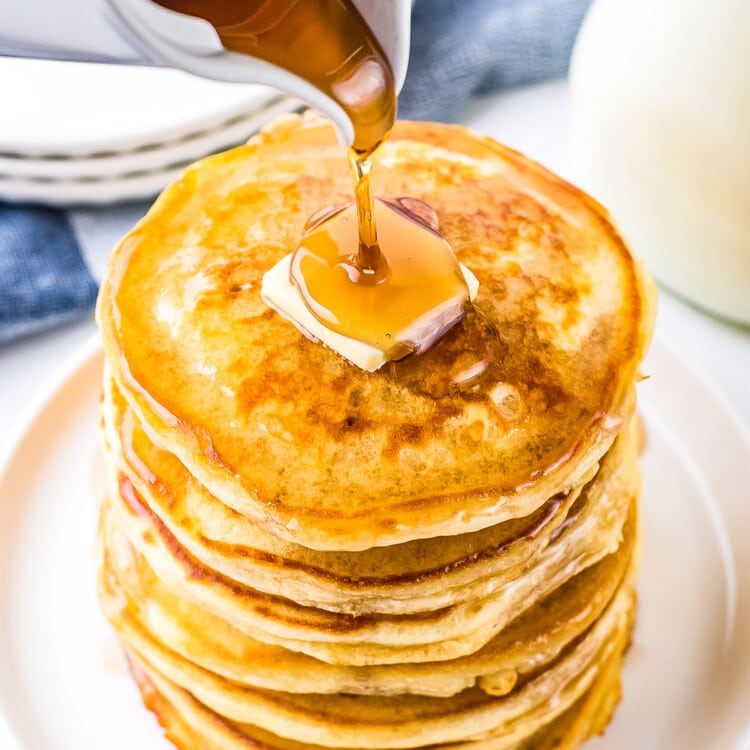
[63, 193]
[140, 174]
[64, 108]
[63, 684]
[147, 158]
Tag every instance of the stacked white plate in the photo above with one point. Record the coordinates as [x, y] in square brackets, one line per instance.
[75, 133]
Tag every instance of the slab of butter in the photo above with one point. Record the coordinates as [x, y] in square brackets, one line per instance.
[279, 293]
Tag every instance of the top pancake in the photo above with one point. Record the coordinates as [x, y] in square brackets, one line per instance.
[289, 433]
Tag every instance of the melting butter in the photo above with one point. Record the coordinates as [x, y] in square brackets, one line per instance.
[279, 293]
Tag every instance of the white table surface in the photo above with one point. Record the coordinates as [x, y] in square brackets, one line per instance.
[532, 120]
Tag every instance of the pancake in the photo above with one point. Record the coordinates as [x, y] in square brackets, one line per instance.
[296, 554]
[446, 633]
[417, 576]
[191, 723]
[188, 723]
[142, 609]
[261, 415]
[411, 721]
[406, 721]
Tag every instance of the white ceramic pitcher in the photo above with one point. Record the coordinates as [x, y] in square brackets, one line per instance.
[142, 32]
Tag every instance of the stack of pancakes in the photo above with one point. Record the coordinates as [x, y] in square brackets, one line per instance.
[296, 553]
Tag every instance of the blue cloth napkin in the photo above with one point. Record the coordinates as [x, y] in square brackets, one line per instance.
[464, 48]
[460, 49]
[44, 280]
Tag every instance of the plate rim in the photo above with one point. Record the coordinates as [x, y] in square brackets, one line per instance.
[75, 361]
[247, 96]
[146, 159]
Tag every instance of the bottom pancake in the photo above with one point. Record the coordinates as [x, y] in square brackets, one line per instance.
[190, 725]
[348, 721]
[471, 718]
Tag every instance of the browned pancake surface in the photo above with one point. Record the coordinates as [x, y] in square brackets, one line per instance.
[288, 432]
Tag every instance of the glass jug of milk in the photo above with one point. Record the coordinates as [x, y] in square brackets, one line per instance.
[661, 135]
